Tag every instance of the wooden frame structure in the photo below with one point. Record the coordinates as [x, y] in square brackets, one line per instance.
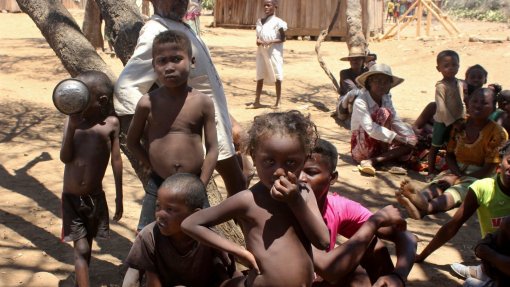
[420, 6]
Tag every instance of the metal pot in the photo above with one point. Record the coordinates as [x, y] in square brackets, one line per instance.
[71, 96]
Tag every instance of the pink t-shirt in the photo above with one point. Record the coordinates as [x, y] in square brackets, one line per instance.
[343, 216]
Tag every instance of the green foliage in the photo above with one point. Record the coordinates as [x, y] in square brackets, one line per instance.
[208, 4]
[487, 15]
[483, 10]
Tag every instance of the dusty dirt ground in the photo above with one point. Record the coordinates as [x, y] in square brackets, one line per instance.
[30, 133]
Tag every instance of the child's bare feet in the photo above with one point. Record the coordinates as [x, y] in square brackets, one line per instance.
[416, 198]
[413, 212]
[257, 105]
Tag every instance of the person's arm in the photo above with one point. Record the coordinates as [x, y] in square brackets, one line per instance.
[405, 246]
[67, 151]
[447, 231]
[135, 132]
[493, 257]
[361, 114]
[333, 266]
[303, 204]
[197, 226]
[153, 279]
[453, 165]
[116, 163]
[486, 171]
[211, 142]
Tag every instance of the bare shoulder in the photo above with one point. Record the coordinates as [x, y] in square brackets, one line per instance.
[145, 100]
[199, 95]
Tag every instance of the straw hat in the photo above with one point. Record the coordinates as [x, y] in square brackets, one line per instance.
[357, 52]
[379, 69]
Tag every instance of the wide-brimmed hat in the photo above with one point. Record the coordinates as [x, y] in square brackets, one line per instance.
[379, 69]
[357, 52]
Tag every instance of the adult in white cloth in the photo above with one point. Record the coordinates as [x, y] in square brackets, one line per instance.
[138, 77]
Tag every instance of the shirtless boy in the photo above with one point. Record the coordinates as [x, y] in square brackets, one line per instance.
[88, 140]
[173, 117]
[279, 217]
[170, 257]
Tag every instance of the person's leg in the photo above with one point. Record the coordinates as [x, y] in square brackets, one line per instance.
[417, 202]
[391, 155]
[82, 253]
[377, 261]
[278, 86]
[258, 92]
[148, 210]
[426, 116]
[232, 175]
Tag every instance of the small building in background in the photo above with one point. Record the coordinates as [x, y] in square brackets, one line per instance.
[303, 17]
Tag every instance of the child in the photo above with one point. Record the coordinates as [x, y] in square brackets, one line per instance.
[449, 103]
[351, 220]
[494, 250]
[483, 197]
[270, 38]
[472, 153]
[173, 118]
[476, 77]
[279, 216]
[168, 256]
[389, 14]
[379, 136]
[88, 140]
[503, 117]
[357, 59]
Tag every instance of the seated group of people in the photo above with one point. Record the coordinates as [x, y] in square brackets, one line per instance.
[463, 120]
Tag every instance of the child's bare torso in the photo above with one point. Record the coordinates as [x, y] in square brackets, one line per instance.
[91, 152]
[174, 132]
[277, 241]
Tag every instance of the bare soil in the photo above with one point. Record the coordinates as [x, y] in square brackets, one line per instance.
[31, 253]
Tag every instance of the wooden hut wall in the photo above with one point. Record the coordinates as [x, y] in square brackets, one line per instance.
[304, 17]
[12, 6]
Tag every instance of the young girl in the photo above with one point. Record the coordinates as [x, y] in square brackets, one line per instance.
[270, 38]
[278, 215]
[472, 153]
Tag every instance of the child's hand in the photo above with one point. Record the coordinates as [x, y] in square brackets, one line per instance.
[74, 120]
[390, 280]
[247, 259]
[390, 216]
[285, 188]
[119, 209]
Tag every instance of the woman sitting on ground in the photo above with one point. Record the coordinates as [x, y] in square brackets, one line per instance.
[472, 153]
[379, 136]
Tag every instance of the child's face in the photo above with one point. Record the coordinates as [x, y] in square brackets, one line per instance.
[476, 78]
[448, 66]
[275, 155]
[269, 7]
[480, 105]
[379, 84]
[504, 170]
[357, 63]
[171, 210]
[317, 174]
[504, 103]
[171, 64]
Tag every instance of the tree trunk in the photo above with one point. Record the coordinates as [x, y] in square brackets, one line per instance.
[92, 25]
[64, 36]
[123, 23]
[355, 36]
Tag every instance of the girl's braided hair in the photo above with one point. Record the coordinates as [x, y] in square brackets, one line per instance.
[290, 123]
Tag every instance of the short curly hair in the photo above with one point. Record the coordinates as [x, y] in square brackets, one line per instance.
[290, 123]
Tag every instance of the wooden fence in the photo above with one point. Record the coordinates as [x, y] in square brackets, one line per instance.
[304, 17]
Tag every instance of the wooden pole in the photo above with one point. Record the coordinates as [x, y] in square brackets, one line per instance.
[433, 5]
[441, 20]
[420, 14]
[387, 34]
[429, 22]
